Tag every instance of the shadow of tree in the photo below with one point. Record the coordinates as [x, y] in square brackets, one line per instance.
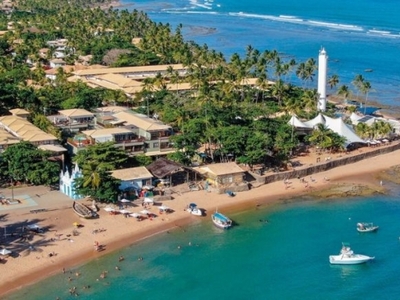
[18, 237]
[25, 248]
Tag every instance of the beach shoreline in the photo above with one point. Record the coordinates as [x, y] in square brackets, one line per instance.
[31, 269]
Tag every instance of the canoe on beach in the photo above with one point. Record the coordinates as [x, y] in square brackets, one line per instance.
[83, 211]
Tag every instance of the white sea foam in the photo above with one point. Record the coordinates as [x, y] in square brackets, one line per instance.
[205, 5]
[336, 25]
[201, 12]
[378, 31]
[268, 17]
[383, 33]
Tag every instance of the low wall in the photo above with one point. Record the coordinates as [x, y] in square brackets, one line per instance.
[325, 166]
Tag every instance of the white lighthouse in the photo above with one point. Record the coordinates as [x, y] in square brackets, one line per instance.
[322, 74]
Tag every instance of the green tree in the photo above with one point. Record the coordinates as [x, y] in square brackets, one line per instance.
[28, 164]
[96, 162]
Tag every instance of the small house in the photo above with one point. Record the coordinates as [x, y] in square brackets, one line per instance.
[223, 175]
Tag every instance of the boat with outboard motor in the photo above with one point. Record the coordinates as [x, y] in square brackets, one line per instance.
[366, 227]
[194, 210]
[347, 257]
[221, 221]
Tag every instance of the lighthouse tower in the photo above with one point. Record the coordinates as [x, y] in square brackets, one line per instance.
[322, 74]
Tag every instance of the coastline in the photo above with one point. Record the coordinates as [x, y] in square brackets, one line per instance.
[27, 270]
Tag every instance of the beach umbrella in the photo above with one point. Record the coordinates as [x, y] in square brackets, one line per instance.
[5, 251]
[145, 212]
[124, 200]
[163, 207]
[76, 224]
[124, 211]
[109, 209]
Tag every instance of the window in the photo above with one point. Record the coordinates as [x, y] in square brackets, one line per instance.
[227, 179]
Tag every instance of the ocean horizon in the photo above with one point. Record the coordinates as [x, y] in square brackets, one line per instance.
[360, 37]
[275, 251]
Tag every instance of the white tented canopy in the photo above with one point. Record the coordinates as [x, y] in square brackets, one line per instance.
[294, 121]
[320, 119]
[341, 128]
[354, 118]
[336, 125]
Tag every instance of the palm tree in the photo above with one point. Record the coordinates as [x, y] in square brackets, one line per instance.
[358, 82]
[363, 130]
[343, 91]
[333, 81]
[365, 88]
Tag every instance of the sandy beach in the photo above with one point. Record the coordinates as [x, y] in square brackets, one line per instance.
[58, 247]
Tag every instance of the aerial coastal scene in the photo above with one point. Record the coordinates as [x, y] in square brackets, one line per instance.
[153, 149]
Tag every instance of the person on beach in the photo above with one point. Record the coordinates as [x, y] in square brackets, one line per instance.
[121, 258]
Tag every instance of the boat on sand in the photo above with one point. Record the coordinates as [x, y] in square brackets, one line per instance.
[194, 210]
[83, 211]
[347, 257]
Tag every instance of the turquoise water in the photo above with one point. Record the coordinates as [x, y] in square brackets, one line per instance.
[358, 35]
[283, 258]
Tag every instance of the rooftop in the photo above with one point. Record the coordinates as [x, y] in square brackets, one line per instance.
[221, 169]
[141, 121]
[131, 173]
[155, 68]
[25, 130]
[76, 112]
[105, 132]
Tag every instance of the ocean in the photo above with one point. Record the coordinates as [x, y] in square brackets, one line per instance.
[360, 36]
[275, 251]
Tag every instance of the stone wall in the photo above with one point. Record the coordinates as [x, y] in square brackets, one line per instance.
[325, 166]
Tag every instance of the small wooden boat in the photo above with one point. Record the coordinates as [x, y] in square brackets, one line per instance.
[83, 211]
[366, 227]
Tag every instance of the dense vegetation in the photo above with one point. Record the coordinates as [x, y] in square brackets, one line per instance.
[225, 113]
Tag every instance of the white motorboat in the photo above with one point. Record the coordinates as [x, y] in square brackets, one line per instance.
[366, 227]
[194, 210]
[347, 257]
[221, 221]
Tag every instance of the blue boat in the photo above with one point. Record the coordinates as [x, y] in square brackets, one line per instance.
[221, 221]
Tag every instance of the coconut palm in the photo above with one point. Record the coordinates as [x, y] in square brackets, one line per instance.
[343, 91]
[358, 82]
[333, 81]
[363, 130]
[365, 89]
